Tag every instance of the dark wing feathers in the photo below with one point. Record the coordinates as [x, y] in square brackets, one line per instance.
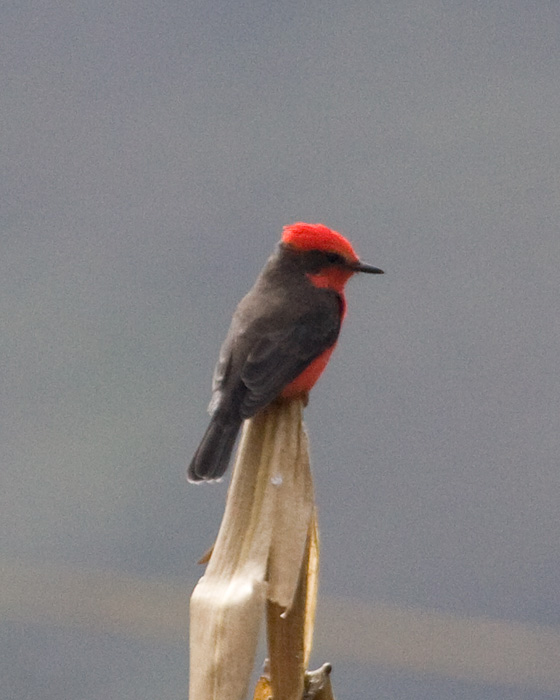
[278, 357]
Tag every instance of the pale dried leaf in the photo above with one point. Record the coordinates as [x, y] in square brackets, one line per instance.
[312, 561]
[290, 632]
[228, 603]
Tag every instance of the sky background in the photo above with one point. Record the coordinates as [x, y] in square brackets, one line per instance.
[151, 154]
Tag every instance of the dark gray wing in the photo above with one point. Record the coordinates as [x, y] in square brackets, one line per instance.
[279, 356]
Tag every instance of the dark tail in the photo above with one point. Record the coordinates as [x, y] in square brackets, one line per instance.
[212, 457]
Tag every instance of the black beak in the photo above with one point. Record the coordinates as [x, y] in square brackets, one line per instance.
[363, 267]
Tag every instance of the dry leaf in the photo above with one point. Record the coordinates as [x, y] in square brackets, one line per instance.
[258, 553]
[290, 632]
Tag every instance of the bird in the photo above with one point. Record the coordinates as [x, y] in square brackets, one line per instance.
[281, 336]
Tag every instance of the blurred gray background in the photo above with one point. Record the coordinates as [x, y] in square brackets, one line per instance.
[150, 155]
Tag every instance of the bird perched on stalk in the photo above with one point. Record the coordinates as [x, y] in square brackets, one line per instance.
[281, 336]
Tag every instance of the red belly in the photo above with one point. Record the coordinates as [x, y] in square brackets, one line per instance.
[308, 377]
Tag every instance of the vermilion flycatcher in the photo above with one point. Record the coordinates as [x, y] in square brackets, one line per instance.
[281, 336]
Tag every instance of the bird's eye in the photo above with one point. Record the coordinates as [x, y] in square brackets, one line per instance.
[334, 258]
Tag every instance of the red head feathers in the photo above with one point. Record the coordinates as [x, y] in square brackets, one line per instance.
[318, 237]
